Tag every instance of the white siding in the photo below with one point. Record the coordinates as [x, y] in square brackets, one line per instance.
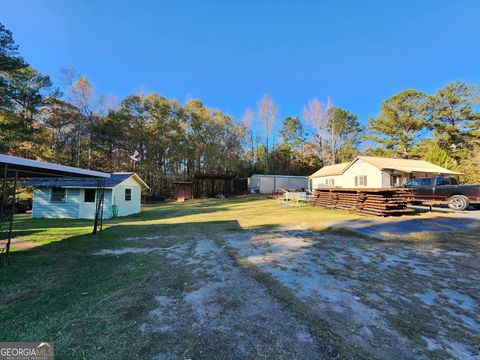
[319, 182]
[127, 207]
[376, 178]
[360, 167]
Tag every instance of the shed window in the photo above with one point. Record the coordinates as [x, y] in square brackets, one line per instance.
[89, 195]
[128, 194]
[58, 195]
[361, 180]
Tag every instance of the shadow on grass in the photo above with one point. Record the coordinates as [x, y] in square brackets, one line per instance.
[26, 222]
[63, 293]
[24, 226]
[149, 212]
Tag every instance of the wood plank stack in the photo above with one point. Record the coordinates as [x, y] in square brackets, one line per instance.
[378, 202]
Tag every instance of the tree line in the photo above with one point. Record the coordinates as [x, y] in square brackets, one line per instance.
[77, 126]
[443, 128]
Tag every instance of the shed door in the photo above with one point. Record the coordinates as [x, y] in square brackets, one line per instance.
[180, 194]
[188, 193]
[266, 185]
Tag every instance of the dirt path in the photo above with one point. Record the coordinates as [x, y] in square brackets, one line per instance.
[225, 313]
[395, 299]
[392, 299]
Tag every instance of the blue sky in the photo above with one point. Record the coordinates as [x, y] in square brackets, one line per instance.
[228, 53]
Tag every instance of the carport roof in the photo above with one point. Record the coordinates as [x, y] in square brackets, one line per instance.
[114, 180]
[34, 168]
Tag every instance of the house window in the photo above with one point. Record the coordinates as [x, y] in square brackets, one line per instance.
[330, 182]
[361, 180]
[89, 195]
[58, 195]
[128, 194]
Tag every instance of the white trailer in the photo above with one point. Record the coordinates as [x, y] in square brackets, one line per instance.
[270, 184]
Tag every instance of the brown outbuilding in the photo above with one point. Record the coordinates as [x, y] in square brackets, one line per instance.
[183, 190]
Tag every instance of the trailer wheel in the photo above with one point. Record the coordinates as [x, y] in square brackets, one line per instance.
[458, 202]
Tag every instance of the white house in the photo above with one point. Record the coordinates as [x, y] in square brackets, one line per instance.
[75, 198]
[375, 172]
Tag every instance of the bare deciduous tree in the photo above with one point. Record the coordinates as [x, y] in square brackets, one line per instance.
[82, 95]
[247, 122]
[316, 117]
[267, 114]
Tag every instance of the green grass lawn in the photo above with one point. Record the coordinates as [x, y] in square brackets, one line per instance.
[91, 306]
[248, 212]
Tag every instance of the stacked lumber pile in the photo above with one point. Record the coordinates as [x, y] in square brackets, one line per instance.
[378, 202]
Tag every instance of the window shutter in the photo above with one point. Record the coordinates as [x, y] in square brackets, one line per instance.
[356, 180]
[365, 180]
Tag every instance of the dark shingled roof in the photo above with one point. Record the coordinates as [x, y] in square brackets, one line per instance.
[114, 180]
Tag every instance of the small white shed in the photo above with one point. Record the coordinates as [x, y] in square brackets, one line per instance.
[269, 184]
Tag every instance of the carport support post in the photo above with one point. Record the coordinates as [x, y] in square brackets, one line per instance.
[2, 195]
[102, 201]
[97, 206]
[7, 251]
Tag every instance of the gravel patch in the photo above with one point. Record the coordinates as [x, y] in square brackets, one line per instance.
[225, 313]
[394, 299]
[129, 250]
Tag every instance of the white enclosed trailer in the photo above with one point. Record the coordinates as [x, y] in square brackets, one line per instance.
[269, 184]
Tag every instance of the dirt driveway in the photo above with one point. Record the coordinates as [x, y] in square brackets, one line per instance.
[455, 226]
[394, 299]
[380, 299]
[293, 293]
[223, 313]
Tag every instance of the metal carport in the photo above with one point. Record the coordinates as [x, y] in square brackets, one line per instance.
[13, 168]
